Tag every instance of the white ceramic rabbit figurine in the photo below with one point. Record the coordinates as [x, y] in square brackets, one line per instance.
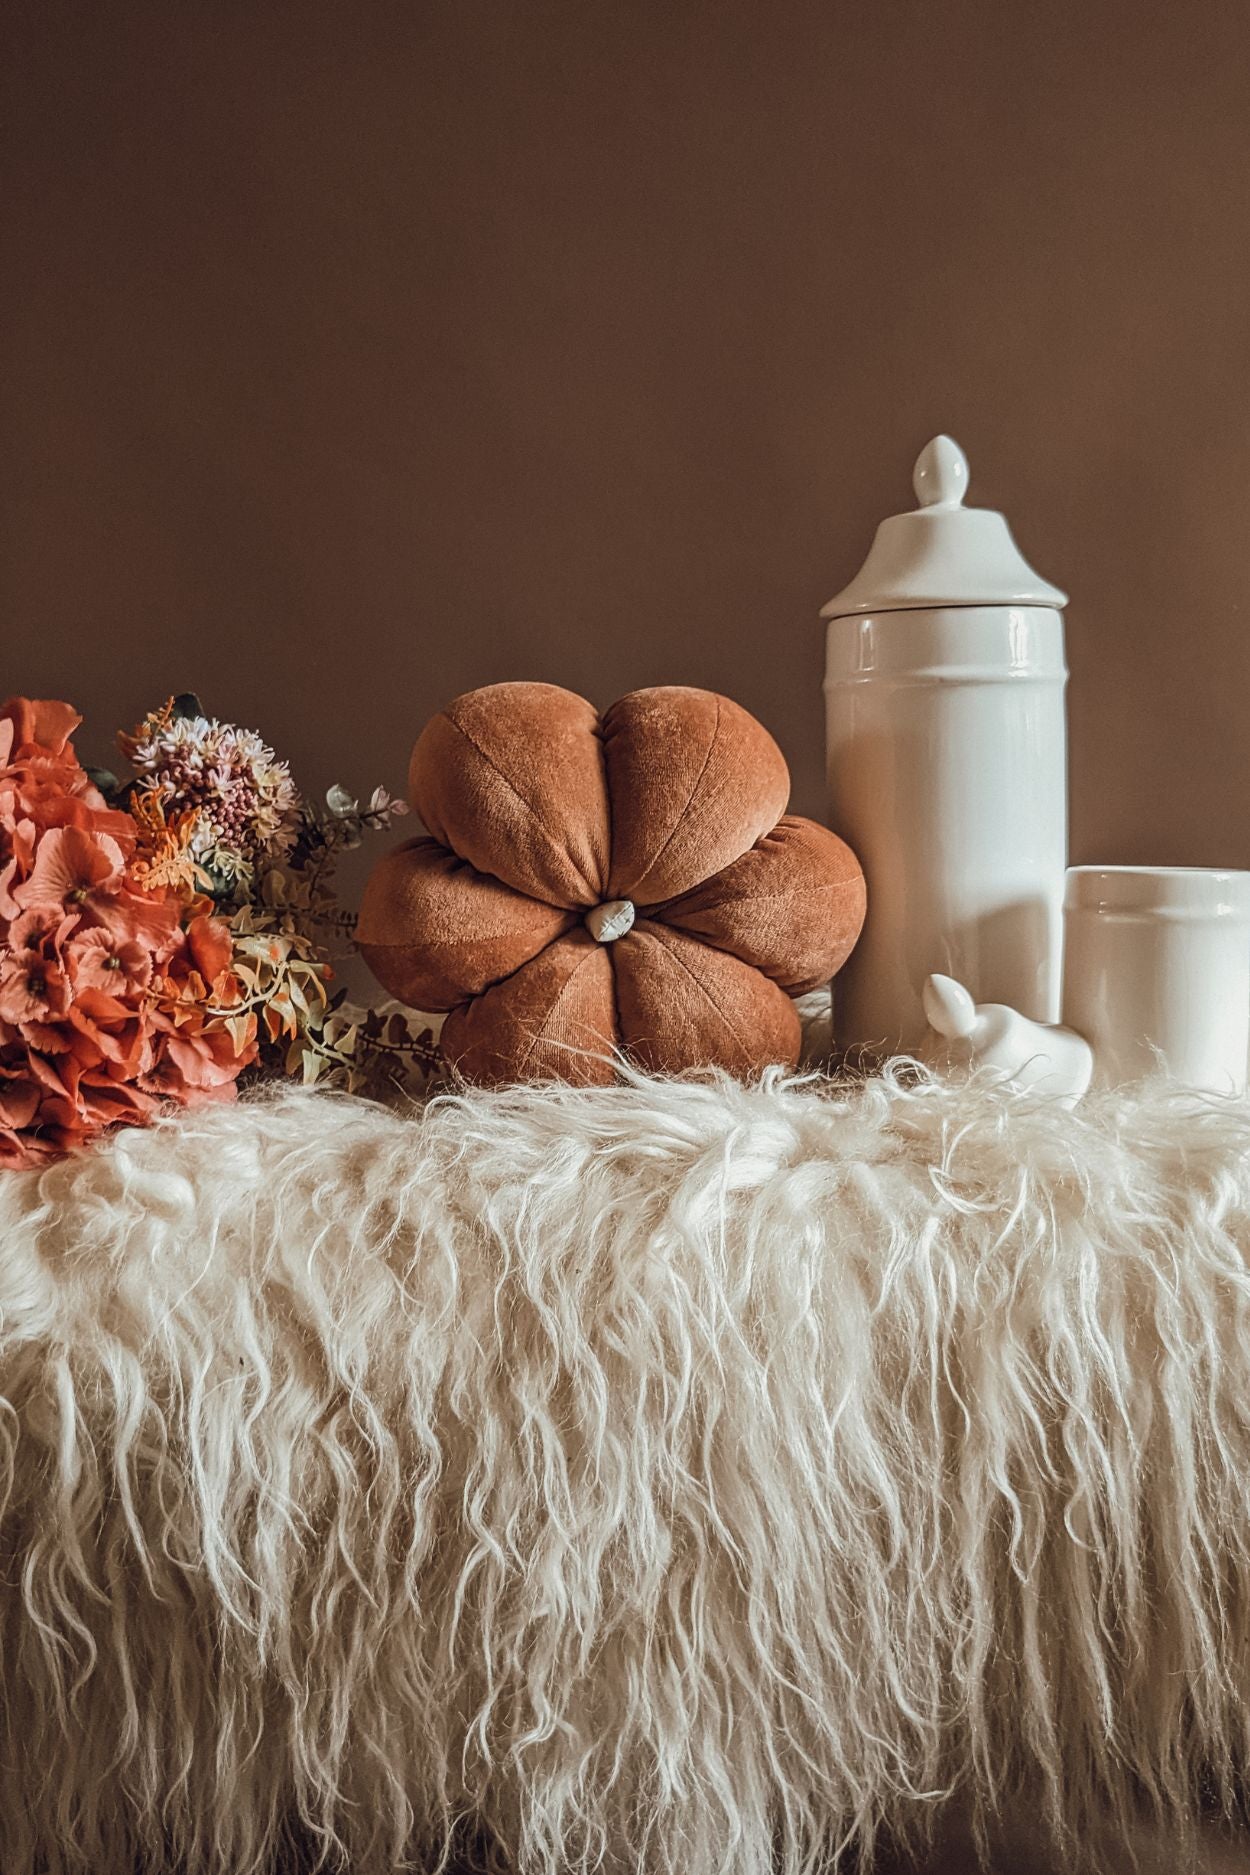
[1041, 1056]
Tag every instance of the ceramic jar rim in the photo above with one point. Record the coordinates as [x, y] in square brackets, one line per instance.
[1206, 891]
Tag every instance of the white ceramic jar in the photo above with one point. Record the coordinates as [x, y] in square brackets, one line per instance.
[1156, 972]
[947, 763]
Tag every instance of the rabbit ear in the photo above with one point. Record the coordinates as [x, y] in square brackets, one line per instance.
[949, 1007]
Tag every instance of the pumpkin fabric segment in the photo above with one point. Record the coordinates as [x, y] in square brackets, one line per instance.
[550, 830]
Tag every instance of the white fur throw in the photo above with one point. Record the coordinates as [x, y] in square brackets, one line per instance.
[671, 1477]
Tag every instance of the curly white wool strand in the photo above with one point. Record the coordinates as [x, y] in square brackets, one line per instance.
[676, 1476]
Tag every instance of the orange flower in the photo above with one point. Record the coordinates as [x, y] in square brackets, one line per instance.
[116, 967]
[70, 866]
[115, 980]
[39, 725]
[163, 857]
[34, 989]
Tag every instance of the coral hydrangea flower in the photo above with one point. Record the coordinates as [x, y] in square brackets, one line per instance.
[42, 783]
[72, 866]
[34, 990]
[84, 872]
[116, 986]
[42, 725]
[100, 961]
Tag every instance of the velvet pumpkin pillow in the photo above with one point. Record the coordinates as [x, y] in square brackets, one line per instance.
[630, 882]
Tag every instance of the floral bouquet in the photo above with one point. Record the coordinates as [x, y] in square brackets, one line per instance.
[162, 936]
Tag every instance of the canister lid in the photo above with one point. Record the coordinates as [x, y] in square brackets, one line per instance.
[941, 553]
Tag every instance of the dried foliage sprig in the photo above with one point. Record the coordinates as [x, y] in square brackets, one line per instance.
[219, 814]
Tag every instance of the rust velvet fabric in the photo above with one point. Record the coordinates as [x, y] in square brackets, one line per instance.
[538, 811]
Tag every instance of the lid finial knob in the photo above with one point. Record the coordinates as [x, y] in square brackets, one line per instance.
[940, 477]
[942, 554]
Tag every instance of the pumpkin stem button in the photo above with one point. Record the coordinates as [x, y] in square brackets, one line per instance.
[611, 920]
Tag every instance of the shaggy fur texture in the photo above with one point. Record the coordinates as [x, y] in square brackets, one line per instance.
[674, 1477]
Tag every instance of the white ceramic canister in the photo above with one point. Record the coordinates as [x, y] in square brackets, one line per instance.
[947, 763]
[1156, 972]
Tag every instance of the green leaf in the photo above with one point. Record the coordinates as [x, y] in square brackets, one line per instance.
[186, 703]
[104, 779]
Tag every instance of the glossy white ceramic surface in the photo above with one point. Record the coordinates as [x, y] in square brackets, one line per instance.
[1157, 972]
[947, 762]
[947, 767]
[942, 553]
[1042, 1057]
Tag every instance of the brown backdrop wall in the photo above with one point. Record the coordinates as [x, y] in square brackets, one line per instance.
[356, 356]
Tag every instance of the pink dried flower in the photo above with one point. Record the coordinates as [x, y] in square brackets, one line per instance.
[246, 805]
